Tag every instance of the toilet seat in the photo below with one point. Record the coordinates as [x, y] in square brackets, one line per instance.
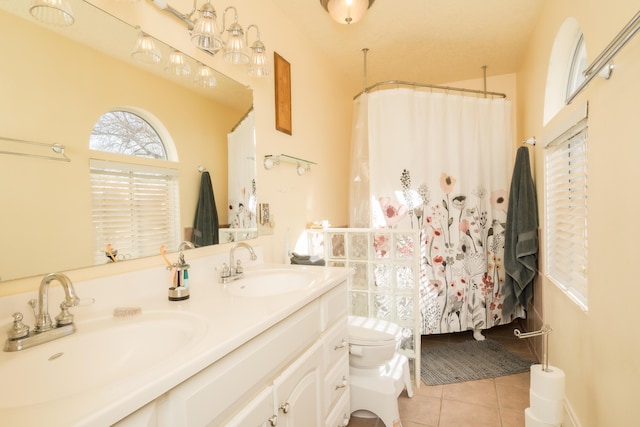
[368, 331]
[372, 342]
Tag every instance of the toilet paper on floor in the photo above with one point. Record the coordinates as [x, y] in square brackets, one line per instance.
[547, 384]
[530, 420]
[546, 410]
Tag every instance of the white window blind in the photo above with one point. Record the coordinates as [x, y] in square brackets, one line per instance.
[566, 212]
[134, 209]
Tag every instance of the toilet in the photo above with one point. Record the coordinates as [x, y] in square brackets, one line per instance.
[378, 371]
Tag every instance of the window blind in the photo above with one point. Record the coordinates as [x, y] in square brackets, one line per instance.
[566, 212]
[135, 209]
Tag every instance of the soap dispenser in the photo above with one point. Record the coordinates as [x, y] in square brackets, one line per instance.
[179, 290]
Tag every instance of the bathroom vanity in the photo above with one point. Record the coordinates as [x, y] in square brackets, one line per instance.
[227, 356]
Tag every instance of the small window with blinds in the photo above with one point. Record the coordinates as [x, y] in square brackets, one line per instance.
[135, 204]
[566, 212]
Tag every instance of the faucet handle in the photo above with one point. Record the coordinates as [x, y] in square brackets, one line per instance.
[65, 317]
[226, 271]
[239, 268]
[18, 329]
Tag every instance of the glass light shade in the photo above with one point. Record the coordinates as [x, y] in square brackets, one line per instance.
[206, 34]
[347, 11]
[205, 77]
[52, 12]
[146, 51]
[177, 65]
[234, 50]
[258, 63]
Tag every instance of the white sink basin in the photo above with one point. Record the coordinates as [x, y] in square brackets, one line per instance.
[272, 281]
[100, 352]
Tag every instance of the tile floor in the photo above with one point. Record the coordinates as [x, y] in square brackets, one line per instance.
[496, 402]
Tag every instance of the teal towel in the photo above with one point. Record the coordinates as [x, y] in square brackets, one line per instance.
[205, 224]
[521, 236]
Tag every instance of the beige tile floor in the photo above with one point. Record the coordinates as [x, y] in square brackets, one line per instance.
[495, 402]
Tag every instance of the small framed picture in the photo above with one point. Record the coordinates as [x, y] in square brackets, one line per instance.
[282, 74]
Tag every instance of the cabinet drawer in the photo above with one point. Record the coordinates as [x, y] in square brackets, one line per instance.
[336, 342]
[336, 382]
[341, 413]
[260, 411]
[334, 305]
[218, 390]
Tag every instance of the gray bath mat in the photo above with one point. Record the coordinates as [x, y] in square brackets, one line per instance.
[468, 361]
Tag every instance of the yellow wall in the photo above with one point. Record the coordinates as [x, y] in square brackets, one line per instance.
[321, 112]
[599, 350]
[84, 84]
[321, 105]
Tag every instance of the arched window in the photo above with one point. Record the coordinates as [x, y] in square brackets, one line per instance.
[135, 196]
[127, 133]
[577, 67]
[566, 65]
[565, 139]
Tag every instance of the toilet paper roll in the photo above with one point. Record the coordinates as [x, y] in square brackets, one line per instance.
[547, 410]
[530, 420]
[548, 384]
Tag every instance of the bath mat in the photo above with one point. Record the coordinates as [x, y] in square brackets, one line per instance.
[468, 361]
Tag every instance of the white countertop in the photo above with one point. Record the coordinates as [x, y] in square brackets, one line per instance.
[229, 322]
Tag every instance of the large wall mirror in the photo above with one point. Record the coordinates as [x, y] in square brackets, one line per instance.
[55, 83]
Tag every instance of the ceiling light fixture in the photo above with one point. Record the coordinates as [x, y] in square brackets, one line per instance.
[346, 11]
[52, 12]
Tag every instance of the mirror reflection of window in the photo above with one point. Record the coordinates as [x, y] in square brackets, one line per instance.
[135, 203]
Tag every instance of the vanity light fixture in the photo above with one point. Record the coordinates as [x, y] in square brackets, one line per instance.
[52, 12]
[208, 36]
[258, 62]
[346, 11]
[205, 33]
[145, 50]
[234, 48]
[177, 65]
[205, 77]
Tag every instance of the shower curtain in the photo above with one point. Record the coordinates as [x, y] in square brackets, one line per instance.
[242, 174]
[439, 162]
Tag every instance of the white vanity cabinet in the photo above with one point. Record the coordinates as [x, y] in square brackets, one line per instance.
[292, 374]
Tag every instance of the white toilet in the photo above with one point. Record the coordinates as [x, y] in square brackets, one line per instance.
[378, 372]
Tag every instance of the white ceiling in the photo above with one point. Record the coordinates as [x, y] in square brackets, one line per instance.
[427, 41]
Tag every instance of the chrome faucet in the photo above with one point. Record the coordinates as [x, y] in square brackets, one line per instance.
[234, 270]
[19, 337]
[186, 245]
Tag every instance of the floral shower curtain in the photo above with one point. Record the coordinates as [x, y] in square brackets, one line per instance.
[440, 163]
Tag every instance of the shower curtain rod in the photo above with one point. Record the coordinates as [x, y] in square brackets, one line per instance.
[242, 119]
[430, 86]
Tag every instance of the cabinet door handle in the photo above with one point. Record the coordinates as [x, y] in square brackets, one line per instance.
[285, 407]
[342, 344]
[344, 383]
[273, 420]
